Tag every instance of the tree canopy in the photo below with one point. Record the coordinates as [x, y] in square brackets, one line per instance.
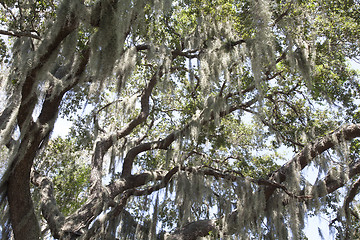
[190, 118]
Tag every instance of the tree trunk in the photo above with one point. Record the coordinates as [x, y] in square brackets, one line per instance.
[22, 215]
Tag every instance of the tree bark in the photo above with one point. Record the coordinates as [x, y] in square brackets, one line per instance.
[24, 222]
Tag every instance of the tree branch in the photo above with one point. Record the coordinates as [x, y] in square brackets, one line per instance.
[301, 159]
[194, 230]
[49, 208]
[22, 216]
[102, 146]
[101, 196]
[166, 142]
[19, 34]
[350, 197]
[333, 183]
[312, 150]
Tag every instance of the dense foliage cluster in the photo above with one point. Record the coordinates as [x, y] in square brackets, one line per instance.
[190, 118]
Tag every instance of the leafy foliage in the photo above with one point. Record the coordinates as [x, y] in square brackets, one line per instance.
[69, 173]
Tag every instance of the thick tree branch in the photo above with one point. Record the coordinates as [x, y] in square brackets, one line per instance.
[133, 181]
[333, 183]
[28, 96]
[100, 222]
[312, 150]
[49, 208]
[102, 146]
[194, 230]
[22, 216]
[350, 197]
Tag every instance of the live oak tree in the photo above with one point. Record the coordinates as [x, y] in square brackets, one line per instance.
[181, 112]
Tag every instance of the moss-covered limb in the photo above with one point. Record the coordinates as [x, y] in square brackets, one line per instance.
[47, 50]
[331, 183]
[128, 189]
[169, 139]
[118, 186]
[33, 134]
[22, 216]
[98, 228]
[194, 230]
[51, 105]
[102, 146]
[49, 208]
[312, 150]
[81, 219]
[99, 225]
[350, 197]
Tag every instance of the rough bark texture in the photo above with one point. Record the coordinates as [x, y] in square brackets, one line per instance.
[22, 216]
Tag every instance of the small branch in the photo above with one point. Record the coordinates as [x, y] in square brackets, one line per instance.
[222, 88]
[282, 15]
[234, 43]
[265, 182]
[9, 10]
[187, 54]
[175, 53]
[138, 141]
[19, 34]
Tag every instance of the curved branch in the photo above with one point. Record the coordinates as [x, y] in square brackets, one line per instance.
[103, 145]
[312, 150]
[350, 197]
[49, 207]
[100, 196]
[332, 183]
[166, 142]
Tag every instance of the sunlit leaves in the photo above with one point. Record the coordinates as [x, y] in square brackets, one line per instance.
[68, 168]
